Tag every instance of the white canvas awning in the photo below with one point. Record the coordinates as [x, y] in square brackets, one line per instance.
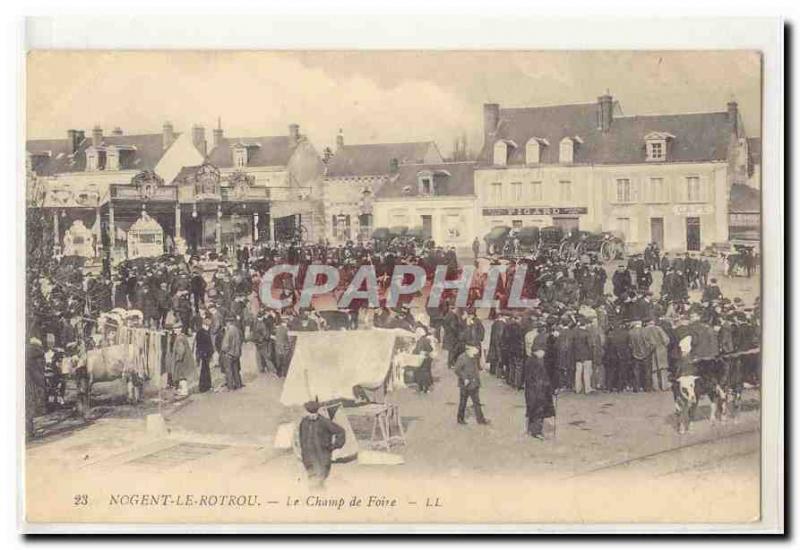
[326, 365]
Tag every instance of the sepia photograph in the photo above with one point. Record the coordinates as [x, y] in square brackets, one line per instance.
[393, 286]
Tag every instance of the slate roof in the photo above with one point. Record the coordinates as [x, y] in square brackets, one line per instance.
[145, 150]
[698, 137]
[264, 151]
[451, 179]
[744, 199]
[374, 159]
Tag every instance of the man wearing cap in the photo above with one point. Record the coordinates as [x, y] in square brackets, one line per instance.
[641, 350]
[317, 436]
[582, 355]
[469, 383]
[230, 354]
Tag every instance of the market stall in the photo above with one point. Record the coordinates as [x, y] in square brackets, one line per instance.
[145, 238]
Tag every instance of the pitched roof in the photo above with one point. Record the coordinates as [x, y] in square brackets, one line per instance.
[451, 179]
[744, 198]
[698, 137]
[263, 151]
[374, 159]
[143, 153]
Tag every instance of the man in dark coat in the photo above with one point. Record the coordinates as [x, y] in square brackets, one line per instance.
[621, 281]
[469, 383]
[262, 337]
[453, 335]
[35, 391]
[198, 286]
[513, 351]
[317, 438]
[204, 349]
[495, 354]
[538, 390]
[618, 358]
[565, 361]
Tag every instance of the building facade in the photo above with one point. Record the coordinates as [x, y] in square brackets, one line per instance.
[355, 175]
[438, 198]
[656, 178]
[238, 191]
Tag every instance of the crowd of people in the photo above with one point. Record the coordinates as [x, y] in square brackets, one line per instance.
[578, 337]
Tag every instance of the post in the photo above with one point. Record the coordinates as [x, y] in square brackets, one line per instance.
[111, 229]
[219, 228]
[254, 232]
[177, 220]
[272, 238]
[98, 238]
[56, 232]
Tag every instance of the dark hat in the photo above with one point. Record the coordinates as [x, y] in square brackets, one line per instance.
[312, 406]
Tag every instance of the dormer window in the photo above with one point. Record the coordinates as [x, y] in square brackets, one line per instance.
[426, 185]
[240, 156]
[533, 150]
[112, 158]
[566, 149]
[656, 145]
[92, 159]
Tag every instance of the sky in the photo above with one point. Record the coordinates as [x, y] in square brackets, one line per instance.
[377, 96]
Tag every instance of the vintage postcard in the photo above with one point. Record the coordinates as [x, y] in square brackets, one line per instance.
[432, 287]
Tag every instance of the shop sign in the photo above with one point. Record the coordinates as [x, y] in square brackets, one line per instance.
[537, 211]
[693, 209]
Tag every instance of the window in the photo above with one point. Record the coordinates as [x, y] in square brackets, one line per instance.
[516, 224]
[656, 145]
[693, 189]
[566, 151]
[496, 193]
[240, 157]
[516, 191]
[532, 151]
[623, 190]
[112, 158]
[500, 153]
[656, 150]
[535, 191]
[425, 186]
[565, 191]
[91, 160]
[658, 191]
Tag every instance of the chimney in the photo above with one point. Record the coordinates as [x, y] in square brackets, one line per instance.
[117, 131]
[339, 139]
[75, 137]
[97, 136]
[199, 138]
[605, 112]
[217, 134]
[294, 133]
[168, 135]
[733, 116]
[491, 118]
